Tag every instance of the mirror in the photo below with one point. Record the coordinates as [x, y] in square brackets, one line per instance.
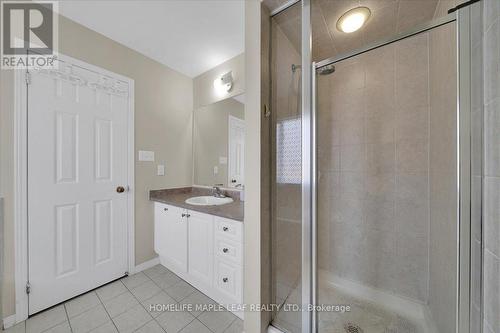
[219, 143]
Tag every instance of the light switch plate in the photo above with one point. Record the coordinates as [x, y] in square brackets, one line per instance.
[161, 170]
[146, 156]
[216, 170]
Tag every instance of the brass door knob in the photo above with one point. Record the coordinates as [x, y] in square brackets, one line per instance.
[120, 189]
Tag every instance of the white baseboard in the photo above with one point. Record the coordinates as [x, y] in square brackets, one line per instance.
[272, 329]
[9, 321]
[145, 265]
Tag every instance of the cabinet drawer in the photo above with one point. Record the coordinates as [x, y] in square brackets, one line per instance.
[228, 279]
[228, 249]
[229, 228]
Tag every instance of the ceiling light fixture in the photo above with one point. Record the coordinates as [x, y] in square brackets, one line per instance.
[353, 19]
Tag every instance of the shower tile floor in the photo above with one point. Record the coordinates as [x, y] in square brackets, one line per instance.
[364, 317]
[123, 306]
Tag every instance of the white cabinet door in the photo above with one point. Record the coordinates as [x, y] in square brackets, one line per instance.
[161, 227]
[228, 279]
[77, 181]
[176, 237]
[201, 247]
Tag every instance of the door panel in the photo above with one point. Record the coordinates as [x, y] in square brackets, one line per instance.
[201, 247]
[77, 157]
[236, 151]
[176, 238]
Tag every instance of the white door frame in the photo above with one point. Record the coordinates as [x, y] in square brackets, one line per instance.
[231, 120]
[21, 181]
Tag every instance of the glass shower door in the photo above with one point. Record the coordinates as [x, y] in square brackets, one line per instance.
[286, 187]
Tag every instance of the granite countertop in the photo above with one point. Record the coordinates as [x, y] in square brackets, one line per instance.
[177, 197]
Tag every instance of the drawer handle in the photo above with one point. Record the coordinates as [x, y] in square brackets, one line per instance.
[183, 215]
[225, 229]
[165, 209]
[225, 250]
[188, 215]
[225, 280]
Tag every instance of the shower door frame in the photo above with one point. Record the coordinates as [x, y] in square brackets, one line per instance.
[462, 17]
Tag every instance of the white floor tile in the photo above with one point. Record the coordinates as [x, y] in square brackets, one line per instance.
[151, 327]
[151, 304]
[45, 320]
[120, 304]
[166, 280]
[81, 304]
[198, 301]
[217, 321]
[174, 321]
[135, 280]
[195, 327]
[109, 327]
[111, 290]
[235, 327]
[89, 320]
[145, 290]
[131, 320]
[155, 270]
[61, 328]
[180, 290]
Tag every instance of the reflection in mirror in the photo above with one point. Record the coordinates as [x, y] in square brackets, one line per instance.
[219, 143]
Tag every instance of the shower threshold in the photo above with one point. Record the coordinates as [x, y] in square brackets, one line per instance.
[371, 311]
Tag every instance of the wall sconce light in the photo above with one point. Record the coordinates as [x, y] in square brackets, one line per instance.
[224, 83]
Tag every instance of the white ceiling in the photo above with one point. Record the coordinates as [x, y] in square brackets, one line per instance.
[190, 36]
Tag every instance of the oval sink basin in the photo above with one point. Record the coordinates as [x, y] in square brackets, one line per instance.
[208, 201]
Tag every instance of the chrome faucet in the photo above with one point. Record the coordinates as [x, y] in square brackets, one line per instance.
[217, 192]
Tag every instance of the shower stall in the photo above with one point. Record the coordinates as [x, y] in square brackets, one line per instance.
[375, 138]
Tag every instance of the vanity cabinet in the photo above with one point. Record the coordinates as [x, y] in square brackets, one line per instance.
[204, 250]
[200, 247]
[171, 224]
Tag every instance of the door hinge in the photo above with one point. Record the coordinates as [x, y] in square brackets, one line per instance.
[28, 288]
[28, 78]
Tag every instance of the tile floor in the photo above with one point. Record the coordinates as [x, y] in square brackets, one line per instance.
[123, 306]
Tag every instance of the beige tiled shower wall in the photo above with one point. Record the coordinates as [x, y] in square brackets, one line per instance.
[491, 186]
[373, 150]
[375, 211]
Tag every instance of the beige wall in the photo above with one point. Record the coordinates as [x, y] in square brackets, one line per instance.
[210, 140]
[203, 85]
[255, 273]
[163, 123]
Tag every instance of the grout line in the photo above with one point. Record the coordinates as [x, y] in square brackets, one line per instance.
[113, 296]
[67, 317]
[104, 307]
[150, 322]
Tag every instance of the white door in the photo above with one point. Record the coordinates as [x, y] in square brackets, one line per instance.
[77, 162]
[176, 238]
[201, 247]
[236, 152]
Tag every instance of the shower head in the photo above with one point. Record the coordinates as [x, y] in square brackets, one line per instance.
[325, 70]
